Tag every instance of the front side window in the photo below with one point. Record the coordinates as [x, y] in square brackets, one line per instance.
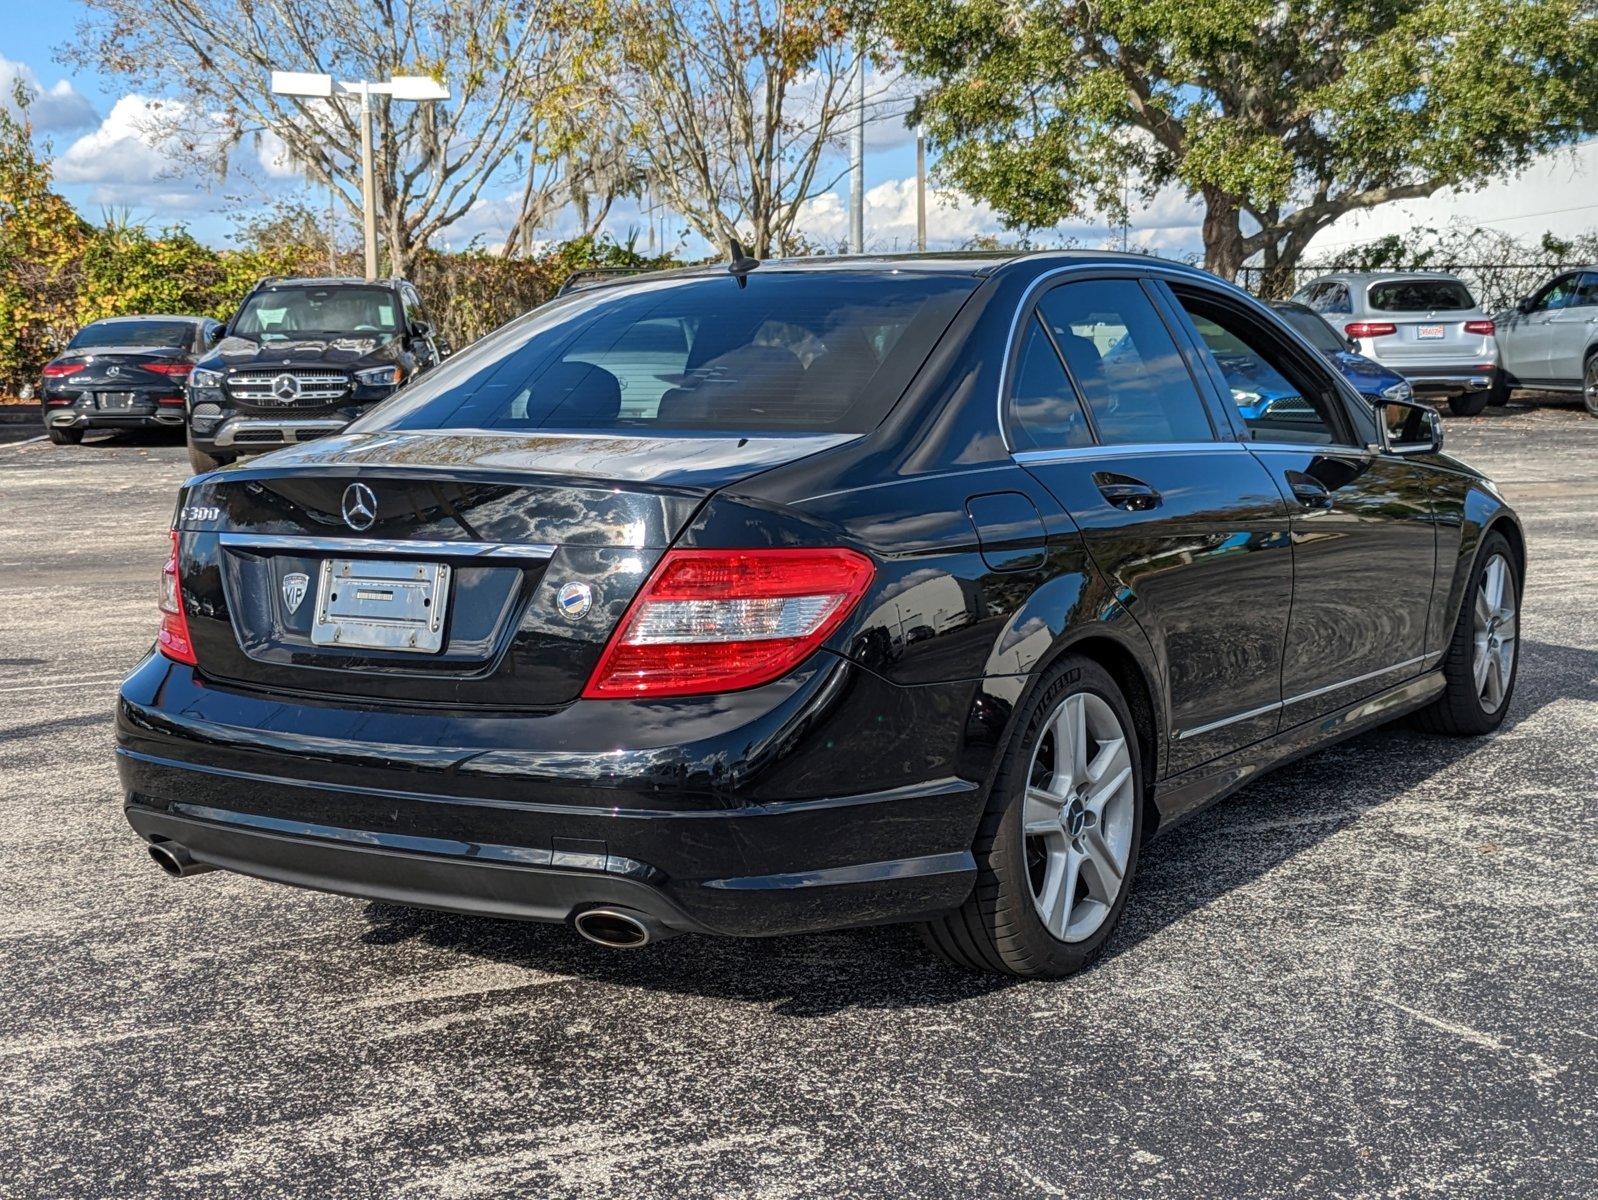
[1278, 401]
[294, 314]
[1125, 363]
[164, 335]
[1419, 295]
[795, 352]
[1315, 330]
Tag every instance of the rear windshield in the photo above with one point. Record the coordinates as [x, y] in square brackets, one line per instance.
[293, 313]
[1315, 331]
[1420, 295]
[800, 352]
[173, 335]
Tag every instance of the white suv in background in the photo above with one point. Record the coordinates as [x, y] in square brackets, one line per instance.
[1425, 325]
[1549, 340]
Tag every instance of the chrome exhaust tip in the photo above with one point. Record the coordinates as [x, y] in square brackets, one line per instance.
[619, 928]
[175, 860]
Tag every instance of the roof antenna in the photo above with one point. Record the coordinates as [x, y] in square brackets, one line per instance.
[741, 263]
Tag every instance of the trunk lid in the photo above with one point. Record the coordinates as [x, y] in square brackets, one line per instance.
[512, 519]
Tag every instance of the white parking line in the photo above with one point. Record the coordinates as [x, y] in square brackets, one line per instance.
[49, 687]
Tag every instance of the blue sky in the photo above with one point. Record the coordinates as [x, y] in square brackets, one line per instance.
[91, 123]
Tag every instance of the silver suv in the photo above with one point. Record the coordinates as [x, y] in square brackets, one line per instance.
[1549, 340]
[1423, 324]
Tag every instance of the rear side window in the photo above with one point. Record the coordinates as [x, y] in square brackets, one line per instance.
[172, 335]
[1419, 295]
[1044, 411]
[1125, 363]
[790, 352]
[1315, 330]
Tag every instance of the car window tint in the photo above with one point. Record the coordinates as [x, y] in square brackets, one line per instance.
[1558, 294]
[1045, 413]
[1587, 291]
[1315, 330]
[1125, 363]
[1337, 300]
[175, 335]
[1419, 295]
[286, 313]
[787, 352]
[1273, 406]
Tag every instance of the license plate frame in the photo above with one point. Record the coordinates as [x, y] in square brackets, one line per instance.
[1431, 333]
[381, 604]
[115, 401]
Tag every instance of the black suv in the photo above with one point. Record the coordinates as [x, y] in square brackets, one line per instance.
[301, 359]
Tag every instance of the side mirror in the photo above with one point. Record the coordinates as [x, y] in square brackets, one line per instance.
[1409, 428]
[421, 329]
[444, 348]
[1523, 305]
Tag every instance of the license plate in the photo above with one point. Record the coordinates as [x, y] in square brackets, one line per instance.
[1432, 333]
[371, 604]
[115, 401]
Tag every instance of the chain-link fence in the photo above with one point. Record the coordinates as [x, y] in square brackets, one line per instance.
[1496, 286]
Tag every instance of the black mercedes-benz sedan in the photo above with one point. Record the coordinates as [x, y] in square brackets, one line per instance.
[123, 373]
[811, 594]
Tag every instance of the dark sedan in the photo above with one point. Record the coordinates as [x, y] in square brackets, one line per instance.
[123, 373]
[811, 594]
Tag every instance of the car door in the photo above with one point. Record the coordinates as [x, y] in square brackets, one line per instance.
[1570, 329]
[1524, 338]
[1188, 528]
[1363, 535]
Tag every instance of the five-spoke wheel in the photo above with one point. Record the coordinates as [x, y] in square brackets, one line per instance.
[1494, 628]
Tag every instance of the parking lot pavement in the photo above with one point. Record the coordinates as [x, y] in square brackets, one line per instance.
[1373, 973]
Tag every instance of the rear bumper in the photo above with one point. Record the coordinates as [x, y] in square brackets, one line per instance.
[1434, 377]
[278, 802]
[149, 416]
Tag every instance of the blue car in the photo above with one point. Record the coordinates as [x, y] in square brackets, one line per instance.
[1369, 377]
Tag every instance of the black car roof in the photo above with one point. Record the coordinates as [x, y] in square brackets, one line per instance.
[148, 317]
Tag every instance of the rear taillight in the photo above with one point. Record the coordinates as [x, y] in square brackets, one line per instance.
[170, 368]
[173, 640]
[721, 620]
[57, 370]
[1485, 328]
[1369, 329]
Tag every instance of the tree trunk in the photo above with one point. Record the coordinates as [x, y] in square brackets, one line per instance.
[1223, 233]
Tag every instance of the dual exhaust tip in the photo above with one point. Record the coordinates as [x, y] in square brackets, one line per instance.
[613, 928]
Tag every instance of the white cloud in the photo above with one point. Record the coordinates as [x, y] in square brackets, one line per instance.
[60, 108]
[122, 151]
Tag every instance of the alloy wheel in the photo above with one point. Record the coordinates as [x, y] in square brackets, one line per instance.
[1495, 629]
[1078, 816]
[1589, 386]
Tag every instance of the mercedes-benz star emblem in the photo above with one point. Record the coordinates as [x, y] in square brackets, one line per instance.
[113, 372]
[294, 585]
[360, 507]
[286, 388]
[574, 599]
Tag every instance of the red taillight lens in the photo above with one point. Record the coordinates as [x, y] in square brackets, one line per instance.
[1485, 328]
[57, 370]
[170, 368]
[723, 620]
[173, 639]
[1369, 329]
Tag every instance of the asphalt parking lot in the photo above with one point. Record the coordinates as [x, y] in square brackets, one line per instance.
[1374, 973]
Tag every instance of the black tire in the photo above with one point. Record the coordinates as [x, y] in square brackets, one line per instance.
[998, 929]
[1498, 393]
[64, 437]
[1468, 404]
[202, 462]
[1462, 711]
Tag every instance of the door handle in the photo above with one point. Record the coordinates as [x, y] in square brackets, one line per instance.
[1309, 492]
[1125, 492]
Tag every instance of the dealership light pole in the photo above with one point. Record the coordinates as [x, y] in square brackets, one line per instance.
[857, 154]
[422, 89]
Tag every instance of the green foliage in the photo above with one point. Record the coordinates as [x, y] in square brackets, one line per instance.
[1279, 114]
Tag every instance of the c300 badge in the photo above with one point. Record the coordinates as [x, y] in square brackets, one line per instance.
[574, 599]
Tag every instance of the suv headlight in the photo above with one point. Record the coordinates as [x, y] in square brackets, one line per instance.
[200, 378]
[381, 377]
[1399, 391]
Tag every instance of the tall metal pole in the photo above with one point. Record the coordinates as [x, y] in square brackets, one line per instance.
[332, 227]
[857, 153]
[368, 188]
[921, 189]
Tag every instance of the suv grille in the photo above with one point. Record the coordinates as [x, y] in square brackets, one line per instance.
[287, 388]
